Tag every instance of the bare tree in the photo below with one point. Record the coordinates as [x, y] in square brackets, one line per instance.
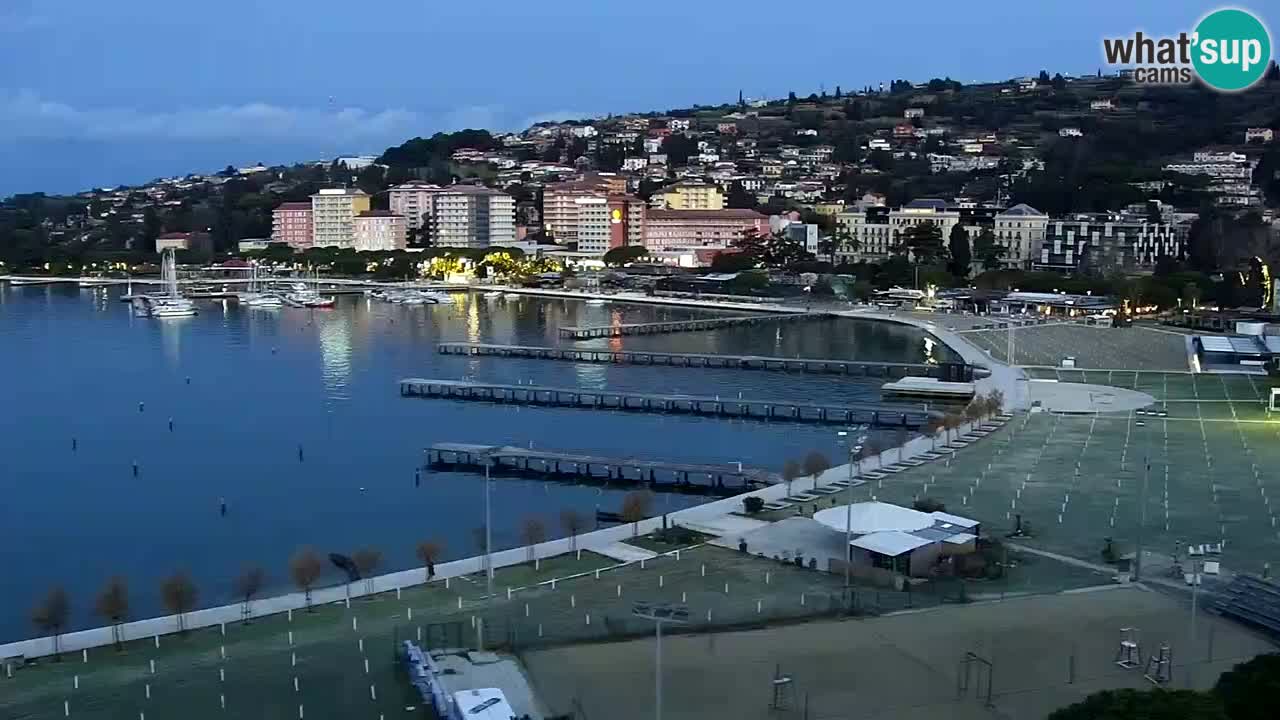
[790, 471]
[532, 532]
[429, 552]
[871, 448]
[305, 568]
[50, 617]
[995, 401]
[247, 585]
[974, 410]
[367, 561]
[113, 605]
[178, 593]
[952, 422]
[573, 523]
[635, 507]
[931, 428]
[901, 441]
[815, 463]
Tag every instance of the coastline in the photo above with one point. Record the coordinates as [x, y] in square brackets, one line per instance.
[1002, 377]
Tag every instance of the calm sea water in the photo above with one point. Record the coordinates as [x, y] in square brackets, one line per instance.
[245, 388]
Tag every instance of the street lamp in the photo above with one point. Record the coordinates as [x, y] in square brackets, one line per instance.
[488, 528]
[659, 613]
[854, 450]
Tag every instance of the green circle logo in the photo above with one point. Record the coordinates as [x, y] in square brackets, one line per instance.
[1231, 49]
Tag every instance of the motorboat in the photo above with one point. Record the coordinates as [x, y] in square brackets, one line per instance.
[255, 297]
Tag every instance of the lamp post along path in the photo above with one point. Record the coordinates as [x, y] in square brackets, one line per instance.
[659, 613]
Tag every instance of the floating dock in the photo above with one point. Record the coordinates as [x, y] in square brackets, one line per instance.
[572, 467]
[659, 328]
[880, 415]
[956, 372]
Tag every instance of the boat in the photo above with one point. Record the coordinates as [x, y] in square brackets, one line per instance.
[89, 282]
[597, 301]
[257, 298]
[438, 298]
[170, 304]
[495, 294]
[304, 295]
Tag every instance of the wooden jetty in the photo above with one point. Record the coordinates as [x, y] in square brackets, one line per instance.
[952, 372]
[572, 467]
[659, 328]
[881, 415]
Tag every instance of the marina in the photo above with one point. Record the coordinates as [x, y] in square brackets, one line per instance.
[561, 466]
[955, 372]
[695, 325]
[904, 416]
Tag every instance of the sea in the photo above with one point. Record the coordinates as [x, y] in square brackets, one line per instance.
[293, 419]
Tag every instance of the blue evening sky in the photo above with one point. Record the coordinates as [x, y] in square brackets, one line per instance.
[98, 93]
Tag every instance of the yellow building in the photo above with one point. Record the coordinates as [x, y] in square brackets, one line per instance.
[333, 213]
[693, 196]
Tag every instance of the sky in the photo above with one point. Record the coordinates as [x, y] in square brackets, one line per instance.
[96, 94]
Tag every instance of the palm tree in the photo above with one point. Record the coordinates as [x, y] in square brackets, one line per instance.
[50, 617]
[573, 523]
[305, 568]
[635, 507]
[248, 584]
[367, 561]
[532, 532]
[179, 595]
[113, 606]
[428, 552]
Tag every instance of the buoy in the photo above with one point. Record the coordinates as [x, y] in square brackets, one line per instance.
[141, 406]
[188, 379]
[170, 424]
[222, 506]
[417, 478]
[299, 453]
[74, 444]
[135, 468]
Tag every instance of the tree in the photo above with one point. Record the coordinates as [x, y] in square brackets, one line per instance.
[1058, 82]
[305, 568]
[532, 532]
[1190, 295]
[815, 463]
[987, 251]
[367, 560]
[790, 471]
[961, 255]
[113, 605]
[635, 507]
[995, 401]
[247, 585]
[931, 428]
[1248, 690]
[731, 262]
[429, 552]
[951, 423]
[1157, 704]
[928, 505]
[739, 198]
[573, 522]
[923, 241]
[620, 256]
[178, 593]
[50, 617]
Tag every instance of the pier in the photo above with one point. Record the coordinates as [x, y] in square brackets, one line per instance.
[881, 415]
[952, 372]
[572, 467]
[660, 328]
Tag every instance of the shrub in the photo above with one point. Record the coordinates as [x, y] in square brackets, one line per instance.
[752, 504]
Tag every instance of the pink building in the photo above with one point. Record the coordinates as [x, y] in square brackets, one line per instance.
[291, 223]
[700, 229]
[380, 230]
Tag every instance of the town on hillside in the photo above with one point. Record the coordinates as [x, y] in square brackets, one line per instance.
[1041, 182]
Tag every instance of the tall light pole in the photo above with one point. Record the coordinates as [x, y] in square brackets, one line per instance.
[854, 450]
[659, 613]
[488, 530]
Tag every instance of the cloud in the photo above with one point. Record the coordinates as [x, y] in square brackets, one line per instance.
[27, 115]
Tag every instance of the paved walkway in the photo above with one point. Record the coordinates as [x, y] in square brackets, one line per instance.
[625, 552]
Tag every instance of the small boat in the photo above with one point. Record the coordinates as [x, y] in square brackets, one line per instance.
[597, 301]
[494, 294]
[260, 300]
[168, 307]
[438, 298]
[93, 282]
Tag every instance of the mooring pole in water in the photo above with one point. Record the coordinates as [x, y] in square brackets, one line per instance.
[141, 406]
[299, 453]
[135, 468]
[74, 444]
[170, 424]
[222, 506]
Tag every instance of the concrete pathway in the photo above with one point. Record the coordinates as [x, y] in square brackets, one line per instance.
[625, 552]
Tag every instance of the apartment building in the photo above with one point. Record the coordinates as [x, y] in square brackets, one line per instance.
[415, 201]
[1021, 231]
[291, 224]
[609, 222]
[877, 231]
[560, 206]
[700, 229]
[1107, 241]
[472, 216]
[333, 216]
[693, 195]
[380, 230]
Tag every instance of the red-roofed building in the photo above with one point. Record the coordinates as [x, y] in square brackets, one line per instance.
[700, 229]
